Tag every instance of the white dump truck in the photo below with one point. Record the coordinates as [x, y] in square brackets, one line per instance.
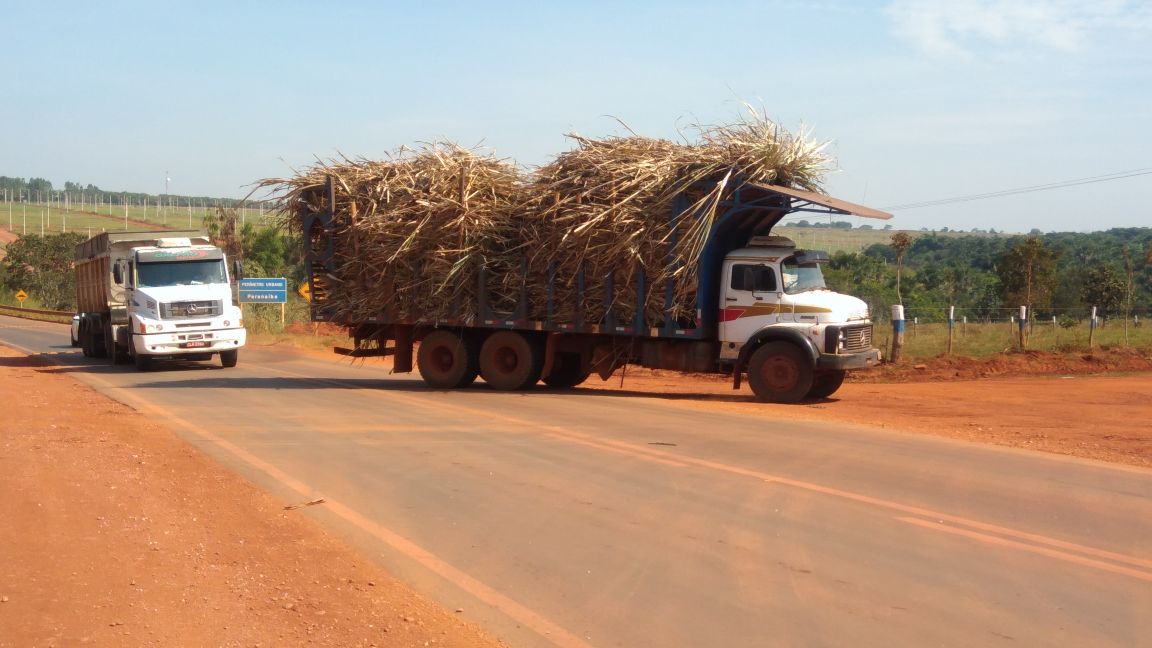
[148, 295]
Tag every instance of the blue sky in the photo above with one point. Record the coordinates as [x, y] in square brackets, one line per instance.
[921, 99]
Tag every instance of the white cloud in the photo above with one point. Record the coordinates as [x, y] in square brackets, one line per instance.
[957, 28]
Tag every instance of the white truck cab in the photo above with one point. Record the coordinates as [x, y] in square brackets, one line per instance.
[179, 301]
[774, 296]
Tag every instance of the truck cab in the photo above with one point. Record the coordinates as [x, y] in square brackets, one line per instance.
[774, 297]
[179, 301]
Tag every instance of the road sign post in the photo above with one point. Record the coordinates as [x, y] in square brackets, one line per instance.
[264, 291]
[21, 296]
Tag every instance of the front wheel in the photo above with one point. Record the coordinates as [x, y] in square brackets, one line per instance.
[445, 360]
[780, 372]
[143, 362]
[511, 361]
[826, 383]
[229, 358]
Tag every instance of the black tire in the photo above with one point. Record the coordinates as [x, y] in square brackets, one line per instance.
[86, 341]
[97, 340]
[229, 358]
[112, 350]
[566, 372]
[780, 372]
[143, 362]
[446, 360]
[826, 383]
[509, 361]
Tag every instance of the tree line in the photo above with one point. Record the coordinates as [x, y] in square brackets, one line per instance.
[1060, 274]
[42, 190]
[985, 278]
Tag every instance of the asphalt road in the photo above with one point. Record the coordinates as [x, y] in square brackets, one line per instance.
[593, 519]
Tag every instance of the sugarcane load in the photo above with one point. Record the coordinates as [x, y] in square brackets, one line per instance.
[622, 250]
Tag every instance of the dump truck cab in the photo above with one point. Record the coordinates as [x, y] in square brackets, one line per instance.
[149, 295]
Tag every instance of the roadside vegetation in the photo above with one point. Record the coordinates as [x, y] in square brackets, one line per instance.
[981, 278]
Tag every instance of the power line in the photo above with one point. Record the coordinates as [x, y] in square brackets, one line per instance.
[1120, 175]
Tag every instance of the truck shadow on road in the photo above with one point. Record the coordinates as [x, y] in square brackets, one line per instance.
[210, 375]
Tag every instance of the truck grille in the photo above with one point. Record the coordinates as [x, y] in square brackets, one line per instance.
[190, 309]
[855, 339]
[858, 338]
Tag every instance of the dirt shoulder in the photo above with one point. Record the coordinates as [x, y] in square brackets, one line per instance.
[116, 533]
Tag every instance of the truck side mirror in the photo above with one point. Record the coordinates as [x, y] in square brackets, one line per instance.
[117, 275]
[237, 269]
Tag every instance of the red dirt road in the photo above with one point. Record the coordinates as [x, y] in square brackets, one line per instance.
[116, 533]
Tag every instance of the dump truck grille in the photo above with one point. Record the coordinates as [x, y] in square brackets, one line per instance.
[190, 309]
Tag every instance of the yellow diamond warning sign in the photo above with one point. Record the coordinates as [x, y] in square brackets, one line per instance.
[21, 296]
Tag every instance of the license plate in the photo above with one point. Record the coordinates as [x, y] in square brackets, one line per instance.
[194, 345]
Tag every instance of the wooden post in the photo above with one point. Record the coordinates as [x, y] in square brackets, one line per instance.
[897, 332]
[1091, 328]
[951, 323]
[1023, 328]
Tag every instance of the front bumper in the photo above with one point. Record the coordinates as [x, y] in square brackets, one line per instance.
[846, 361]
[189, 342]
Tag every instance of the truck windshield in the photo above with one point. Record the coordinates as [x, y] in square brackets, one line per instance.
[801, 277]
[180, 273]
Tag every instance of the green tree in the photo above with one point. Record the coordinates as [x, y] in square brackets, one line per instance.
[1104, 288]
[1028, 274]
[901, 241]
[42, 267]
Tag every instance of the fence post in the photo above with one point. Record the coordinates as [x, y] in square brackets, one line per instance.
[1023, 328]
[1091, 328]
[897, 332]
[951, 322]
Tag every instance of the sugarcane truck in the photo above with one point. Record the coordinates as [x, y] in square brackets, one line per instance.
[762, 310]
[143, 296]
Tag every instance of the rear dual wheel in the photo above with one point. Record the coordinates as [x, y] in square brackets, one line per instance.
[446, 360]
[511, 361]
[567, 371]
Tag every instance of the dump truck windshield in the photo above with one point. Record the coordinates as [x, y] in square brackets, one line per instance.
[801, 277]
[180, 273]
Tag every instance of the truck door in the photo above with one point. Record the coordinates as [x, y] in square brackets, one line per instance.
[750, 302]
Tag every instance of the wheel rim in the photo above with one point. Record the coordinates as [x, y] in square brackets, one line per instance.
[507, 359]
[780, 373]
[443, 359]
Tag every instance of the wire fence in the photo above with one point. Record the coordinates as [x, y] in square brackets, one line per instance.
[929, 332]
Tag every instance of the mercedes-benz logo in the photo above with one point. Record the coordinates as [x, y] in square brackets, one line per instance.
[191, 309]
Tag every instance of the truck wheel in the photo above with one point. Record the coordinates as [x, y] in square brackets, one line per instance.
[510, 361]
[445, 360]
[566, 372]
[96, 341]
[826, 383]
[86, 341]
[112, 350]
[229, 358]
[143, 362]
[779, 372]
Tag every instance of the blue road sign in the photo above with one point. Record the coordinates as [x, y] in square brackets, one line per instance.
[263, 291]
